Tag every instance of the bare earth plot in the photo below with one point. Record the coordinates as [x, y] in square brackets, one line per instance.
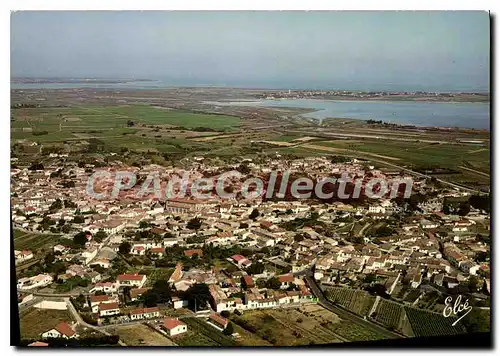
[35, 321]
[279, 143]
[141, 335]
[285, 327]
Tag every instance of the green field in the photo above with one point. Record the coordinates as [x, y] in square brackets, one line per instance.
[201, 327]
[64, 123]
[418, 153]
[155, 130]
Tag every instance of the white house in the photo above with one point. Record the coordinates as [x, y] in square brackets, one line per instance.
[174, 327]
[136, 280]
[40, 280]
[138, 250]
[469, 267]
[22, 256]
[89, 254]
[107, 309]
[96, 300]
[145, 313]
[426, 224]
[62, 330]
[106, 287]
[179, 303]
[376, 209]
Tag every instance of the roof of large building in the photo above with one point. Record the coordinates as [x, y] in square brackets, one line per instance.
[65, 329]
[131, 277]
[172, 323]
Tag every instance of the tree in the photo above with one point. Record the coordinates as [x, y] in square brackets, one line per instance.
[298, 238]
[150, 299]
[478, 320]
[379, 290]
[225, 314]
[472, 283]
[255, 268]
[130, 123]
[254, 214]
[66, 229]
[124, 248]
[482, 256]
[36, 166]
[126, 293]
[163, 291]
[56, 205]
[194, 224]
[144, 225]
[80, 239]
[168, 235]
[261, 283]
[198, 296]
[273, 283]
[79, 219]
[370, 278]
[229, 329]
[464, 209]
[100, 236]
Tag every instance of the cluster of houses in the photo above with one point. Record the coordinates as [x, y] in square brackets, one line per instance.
[429, 245]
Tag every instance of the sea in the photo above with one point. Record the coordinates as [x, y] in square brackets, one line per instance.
[438, 114]
[421, 113]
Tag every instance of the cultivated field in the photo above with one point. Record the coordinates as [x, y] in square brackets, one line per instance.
[389, 314]
[356, 301]
[201, 327]
[426, 323]
[34, 241]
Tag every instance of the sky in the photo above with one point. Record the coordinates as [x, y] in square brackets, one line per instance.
[326, 50]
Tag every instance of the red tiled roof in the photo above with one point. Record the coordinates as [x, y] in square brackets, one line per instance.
[224, 234]
[238, 258]
[190, 253]
[65, 329]
[219, 319]
[285, 278]
[108, 306]
[172, 323]
[38, 343]
[130, 277]
[248, 281]
[266, 224]
[158, 249]
[137, 311]
[138, 291]
[98, 298]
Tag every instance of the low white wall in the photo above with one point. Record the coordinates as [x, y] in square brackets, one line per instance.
[47, 304]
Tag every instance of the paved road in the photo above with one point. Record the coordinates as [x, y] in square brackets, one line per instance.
[475, 171]
[80, 321]
[344, 314]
